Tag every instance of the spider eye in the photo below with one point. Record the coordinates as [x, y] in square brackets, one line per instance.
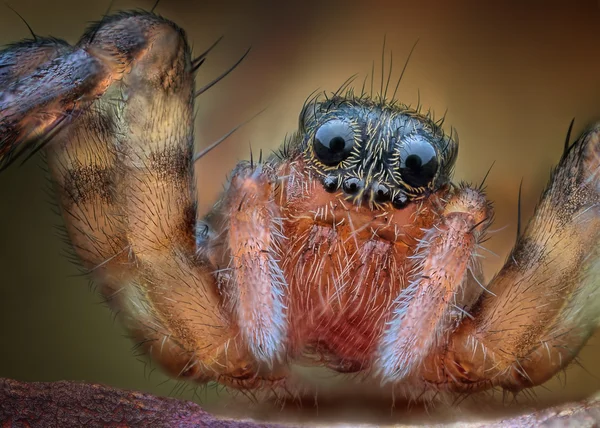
[418, 162]
[333, 142]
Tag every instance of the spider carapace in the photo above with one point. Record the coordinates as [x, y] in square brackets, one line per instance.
[348, 248]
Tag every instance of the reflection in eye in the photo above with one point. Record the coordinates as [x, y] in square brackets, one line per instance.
[381, 192]
[418, 161]
[330, 183]
[333, 142]
[352, 185]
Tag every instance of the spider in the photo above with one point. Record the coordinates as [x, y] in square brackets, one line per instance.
[349, 248]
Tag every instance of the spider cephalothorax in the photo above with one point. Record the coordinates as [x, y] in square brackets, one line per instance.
[354, 192]
[350, 248]
[379, 152]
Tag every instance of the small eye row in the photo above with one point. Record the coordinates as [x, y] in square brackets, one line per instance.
[354, 186]
[417, 158]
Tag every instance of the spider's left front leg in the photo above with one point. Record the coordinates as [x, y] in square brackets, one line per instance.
[443, 285]
[545, 303]
[251, 278]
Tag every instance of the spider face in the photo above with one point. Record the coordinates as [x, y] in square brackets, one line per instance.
[375, 153]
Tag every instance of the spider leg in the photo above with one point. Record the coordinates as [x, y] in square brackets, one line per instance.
[441, 286]
[123, 172]
[254, 281]
[43, 84]
[545, 304]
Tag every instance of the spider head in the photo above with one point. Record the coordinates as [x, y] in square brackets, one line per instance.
[375, 153]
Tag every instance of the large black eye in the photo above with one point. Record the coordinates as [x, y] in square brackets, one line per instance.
[333, 142]
[418, 161]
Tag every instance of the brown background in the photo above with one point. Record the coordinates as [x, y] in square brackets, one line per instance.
[512, 74]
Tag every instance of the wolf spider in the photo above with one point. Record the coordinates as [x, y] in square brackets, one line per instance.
[349, 248]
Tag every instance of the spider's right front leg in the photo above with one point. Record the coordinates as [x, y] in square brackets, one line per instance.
[251, 228]
[123, 172]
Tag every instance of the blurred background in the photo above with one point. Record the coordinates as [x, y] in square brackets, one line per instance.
[511, 74]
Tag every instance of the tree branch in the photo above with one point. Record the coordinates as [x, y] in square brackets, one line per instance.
[72, 404]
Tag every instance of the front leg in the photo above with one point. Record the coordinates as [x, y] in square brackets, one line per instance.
[443, 286]
[546, 302]
[46, 84]
[253, 281]
[123, 173]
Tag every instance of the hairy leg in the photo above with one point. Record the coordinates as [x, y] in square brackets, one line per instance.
[251, 276]
[545, 304]
[442, 286]
[122, 165]
[45, 83]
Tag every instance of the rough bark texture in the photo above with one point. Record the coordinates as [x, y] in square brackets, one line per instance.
[72, 404]
[579, 414]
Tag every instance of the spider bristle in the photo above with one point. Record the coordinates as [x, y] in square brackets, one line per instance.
[222, 75]
[154, 6]
[568, 139]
